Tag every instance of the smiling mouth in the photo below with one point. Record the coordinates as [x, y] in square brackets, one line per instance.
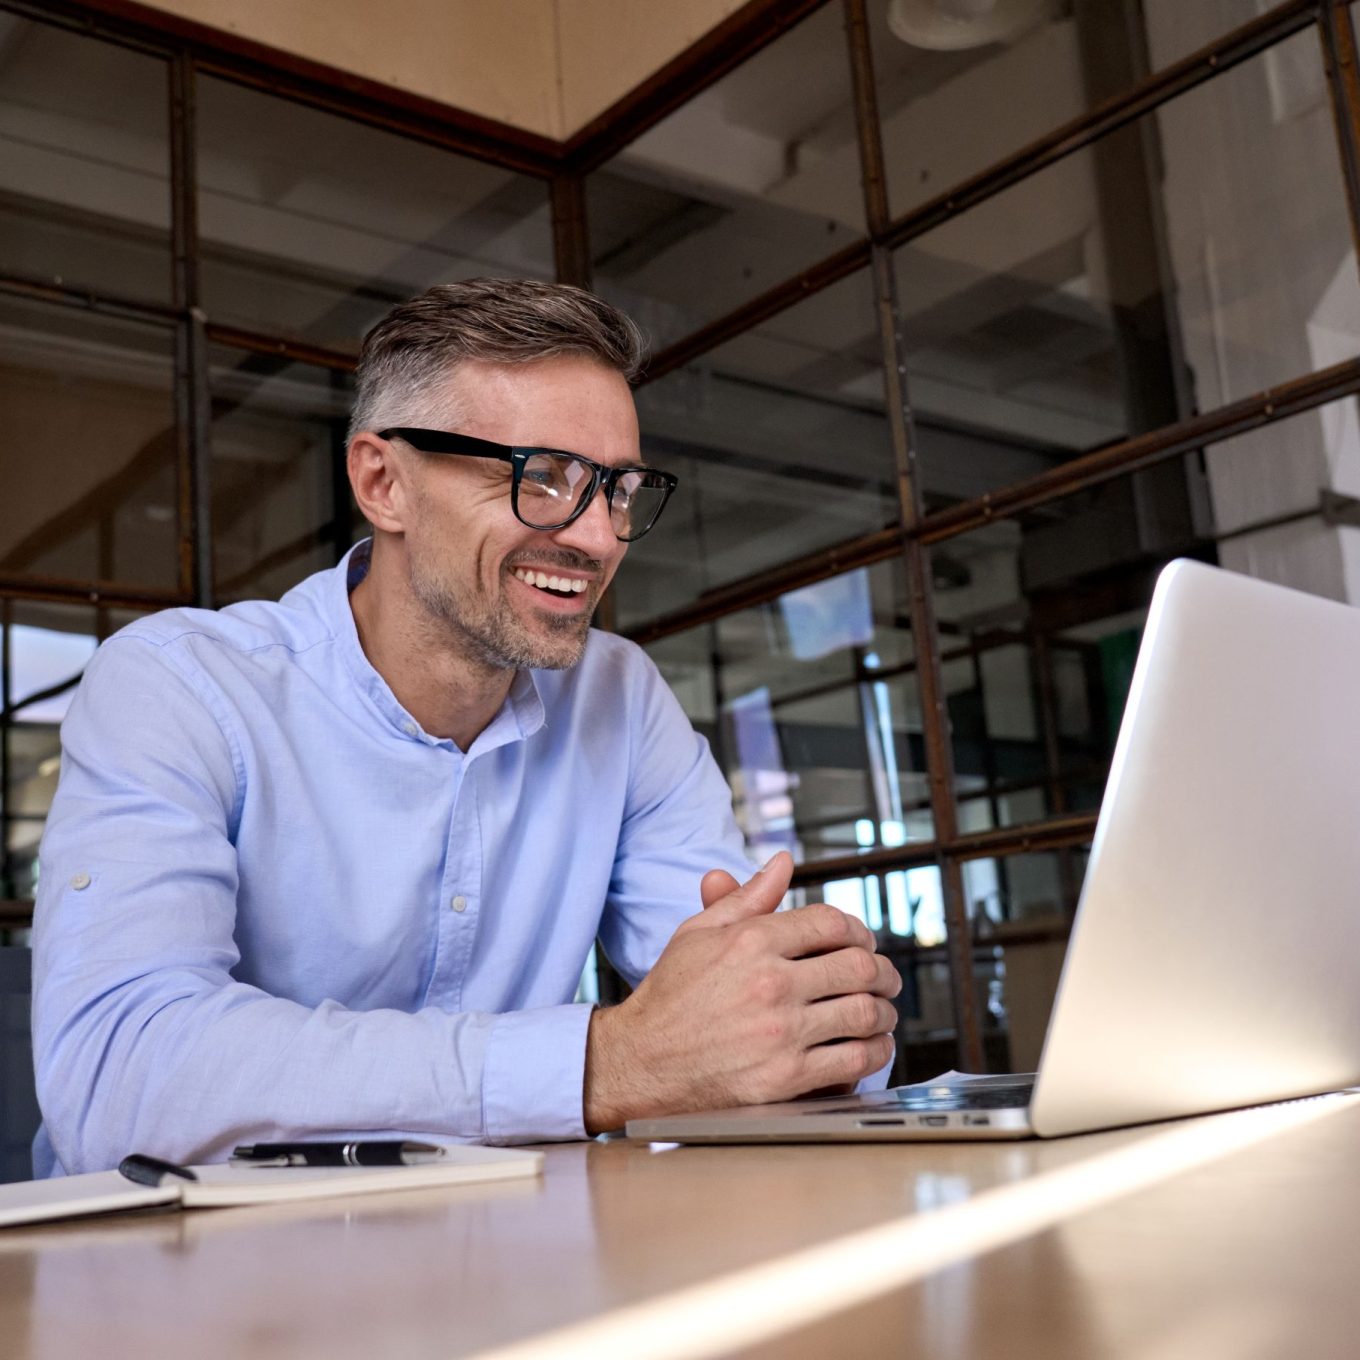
[563, 587]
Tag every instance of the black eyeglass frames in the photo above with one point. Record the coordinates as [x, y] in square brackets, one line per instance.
[551, 488]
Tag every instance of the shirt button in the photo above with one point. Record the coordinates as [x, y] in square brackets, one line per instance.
[410, 729]
[459, 903]
[80, 881]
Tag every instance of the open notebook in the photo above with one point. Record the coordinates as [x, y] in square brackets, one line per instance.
[222, 1186]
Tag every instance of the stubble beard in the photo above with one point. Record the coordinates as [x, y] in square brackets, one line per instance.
[495, 637]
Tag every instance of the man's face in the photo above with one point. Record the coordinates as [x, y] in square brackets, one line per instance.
[473, 565]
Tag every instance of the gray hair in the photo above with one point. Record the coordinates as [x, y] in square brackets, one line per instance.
[412, 350]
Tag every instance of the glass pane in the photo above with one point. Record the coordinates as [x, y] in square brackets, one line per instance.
[1135, 282]
[1261, 253]
[92, 399]
[1022, 907]
[48, 646]
[1040, 616]
[748, 183]
[84, 161]
[1283, 501]
[1039, 631]
[1010, 896]
[810, 705]
[958, 92]
[278, 444]
[44, 664]
[313, 225]
[781, 447]
[1175, 29]
[34, 763]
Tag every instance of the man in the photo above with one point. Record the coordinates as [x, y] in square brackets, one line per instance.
[332, 866]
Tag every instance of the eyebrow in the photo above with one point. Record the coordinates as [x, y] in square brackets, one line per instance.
[641, 464]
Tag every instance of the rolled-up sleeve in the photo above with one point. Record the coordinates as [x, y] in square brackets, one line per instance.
[143, 1039]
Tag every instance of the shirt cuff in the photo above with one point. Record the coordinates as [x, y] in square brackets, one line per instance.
[533, 1075]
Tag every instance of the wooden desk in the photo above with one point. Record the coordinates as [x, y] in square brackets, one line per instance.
[1256, 1252]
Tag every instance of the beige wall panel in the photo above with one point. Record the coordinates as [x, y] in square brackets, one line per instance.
[609, 46]
[497, 58]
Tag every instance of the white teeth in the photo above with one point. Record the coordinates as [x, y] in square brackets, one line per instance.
[546, 582]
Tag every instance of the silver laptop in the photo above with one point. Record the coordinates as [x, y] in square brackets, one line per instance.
[1215, 957]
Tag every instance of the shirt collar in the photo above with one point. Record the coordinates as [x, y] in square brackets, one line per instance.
[520, 716]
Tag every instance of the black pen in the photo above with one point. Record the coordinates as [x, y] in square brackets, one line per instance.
[380, 1152]
[151, 1170]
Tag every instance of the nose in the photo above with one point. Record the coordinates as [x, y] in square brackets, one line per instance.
[592, 531]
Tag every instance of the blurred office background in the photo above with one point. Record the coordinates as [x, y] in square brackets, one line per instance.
[966, 317]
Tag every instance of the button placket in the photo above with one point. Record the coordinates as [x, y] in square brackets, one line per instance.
[462, 884]
[459, 891]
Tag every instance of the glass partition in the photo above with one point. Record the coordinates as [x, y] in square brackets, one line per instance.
[811, 706]
[781, 447]
[313, 225]
[1135, 282]
[1041, 615]
[84, 162]
[1038, 639]
[46, 648]
[751, 181]
[90, 486]
[281, 503]
[1021, 908]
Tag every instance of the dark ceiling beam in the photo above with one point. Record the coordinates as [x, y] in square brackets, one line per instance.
[219, 52]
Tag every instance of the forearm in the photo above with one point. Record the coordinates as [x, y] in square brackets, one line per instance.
[188, 1076]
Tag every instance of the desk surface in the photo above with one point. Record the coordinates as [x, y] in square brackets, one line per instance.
[1240, 1239]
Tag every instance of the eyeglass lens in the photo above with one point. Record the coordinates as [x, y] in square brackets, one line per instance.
[552, 485]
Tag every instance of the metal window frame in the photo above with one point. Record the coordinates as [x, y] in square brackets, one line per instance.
[190, 49]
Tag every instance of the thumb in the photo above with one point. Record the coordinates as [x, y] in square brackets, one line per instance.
[717, 883]
[726, 902]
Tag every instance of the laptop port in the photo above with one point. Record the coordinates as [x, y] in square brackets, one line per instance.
[977, 1119]
[935, 1121]
[871, 1123]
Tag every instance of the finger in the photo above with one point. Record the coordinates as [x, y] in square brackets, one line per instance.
[758, 896]
[716, 884]
[844, 972]
[860, 1016]
[818, 929]
[848, 1061]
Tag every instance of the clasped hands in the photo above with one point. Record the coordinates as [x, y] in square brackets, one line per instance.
[743, 1007]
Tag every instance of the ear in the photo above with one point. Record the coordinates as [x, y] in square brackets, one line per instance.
[379, 478]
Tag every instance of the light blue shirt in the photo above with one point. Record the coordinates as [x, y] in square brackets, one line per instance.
[270, 906]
